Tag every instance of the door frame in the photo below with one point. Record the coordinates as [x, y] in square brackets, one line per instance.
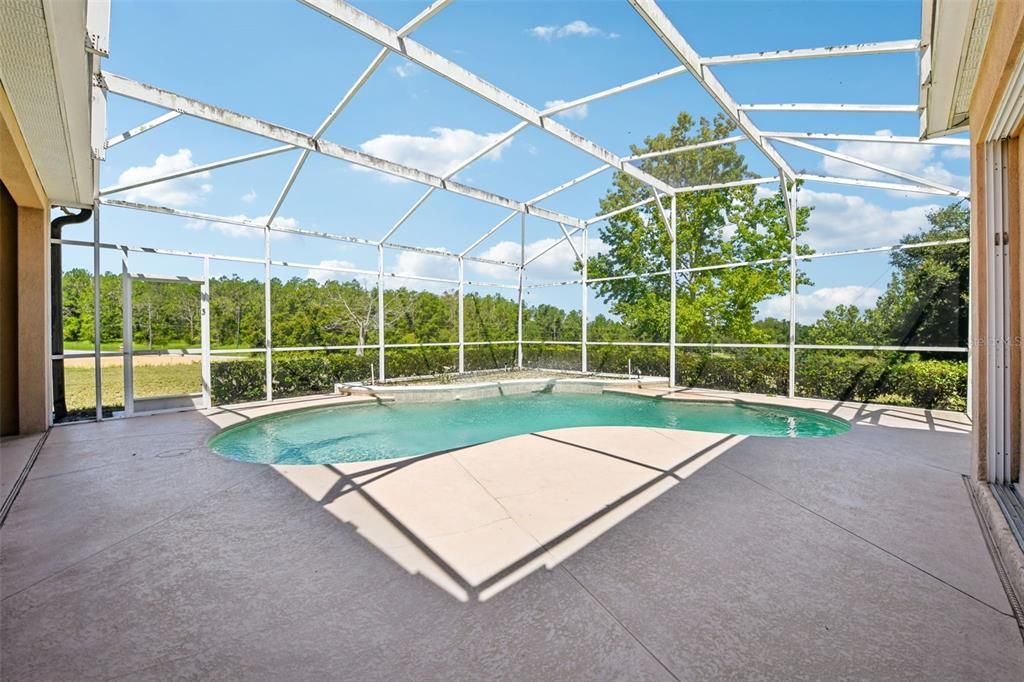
[128, 354]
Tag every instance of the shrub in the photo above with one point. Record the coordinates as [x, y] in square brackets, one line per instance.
[552, 356]
[411, 362]
[754, 370]
[498, 356]
[294, 374]
[649, 360]
[933, 383]
[888, 378]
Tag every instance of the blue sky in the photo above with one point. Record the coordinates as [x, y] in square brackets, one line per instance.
[285, 63]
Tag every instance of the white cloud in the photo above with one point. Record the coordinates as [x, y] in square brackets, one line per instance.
[249, 196]
[810, 307]
[425, 265]
[322, 275]
[911, 158]
[406, 70]
[556, 264]
[407, 264]
[577, 29]
[961, 152]
[842, 221]
[579, 112]
[177, 192]
[241, 231]
[438, 153]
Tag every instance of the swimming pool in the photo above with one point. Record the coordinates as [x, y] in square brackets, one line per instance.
[357, 433]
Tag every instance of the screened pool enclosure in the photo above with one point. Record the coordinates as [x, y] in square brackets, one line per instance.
[678, 272]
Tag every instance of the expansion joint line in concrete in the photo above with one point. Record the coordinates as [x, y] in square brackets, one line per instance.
[548, 547]
[864, 539]
[188, 506]
[22, 477]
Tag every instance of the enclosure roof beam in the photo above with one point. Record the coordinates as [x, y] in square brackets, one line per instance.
[653, 78]
[196, 169]
[369, 27]
[651, 13]
[664, 215]
[566, 185]
[568, 240]
[624, 209]
[530, 202]
[513, 131]
[888, 47]
[893, 186]
[480, 153]
[828, 106]
[953, 191]
[683, 190]
[169, 100]
[139, 129]
[487, 234]
[551, 111]
[413, 24]
[549, 247]
[725, 185]
[246, 222]
[851, 137]
[688, 147]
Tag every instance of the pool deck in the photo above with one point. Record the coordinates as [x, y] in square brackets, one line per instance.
[133, 552]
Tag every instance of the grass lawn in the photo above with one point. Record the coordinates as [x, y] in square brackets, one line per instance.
[87, 345]
[174, 345]
[150, 381]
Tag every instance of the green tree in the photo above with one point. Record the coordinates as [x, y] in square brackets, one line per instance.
[926, 303]
[236, 312]
[77, 304]
[712, 227]
[842, 325]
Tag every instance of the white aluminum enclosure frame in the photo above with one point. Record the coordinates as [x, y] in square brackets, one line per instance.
[571, 228]
[128, 278]
[997, 347]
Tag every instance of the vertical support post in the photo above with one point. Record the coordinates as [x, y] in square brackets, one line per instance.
[380, 312]
[993, 280]
[268, 343]
[462, 325]
[792, 318]
[98, 375]
[789, 197]
[672, 297]
[972, 297]
[586, 295]
[204, 333]
[127, 333]
[522, 268]
[999, 399]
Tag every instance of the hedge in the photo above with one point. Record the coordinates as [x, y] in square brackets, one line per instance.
[889, 378]
[307, 373]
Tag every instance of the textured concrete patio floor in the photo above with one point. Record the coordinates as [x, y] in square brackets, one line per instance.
[134, 552]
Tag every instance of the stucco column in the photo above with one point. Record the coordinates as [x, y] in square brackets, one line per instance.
[33, 302]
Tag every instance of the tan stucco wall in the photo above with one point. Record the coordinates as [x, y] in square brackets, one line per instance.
[1002, 51]
[33, 407]
[8, 312]
[29, 309]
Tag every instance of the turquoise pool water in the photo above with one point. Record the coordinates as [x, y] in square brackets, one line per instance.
[358, 433]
